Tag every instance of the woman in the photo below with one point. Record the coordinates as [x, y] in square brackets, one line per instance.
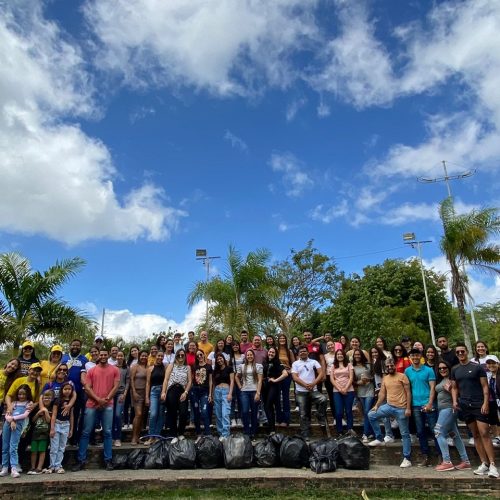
[119, 399]
[8, 374]
[60, 378]
[223, 384]
[273, 375]
[228, 344]
[270, 342]
[219, 347]
[342, 377]
[175, 391]
[447, 422]
[191, 354]
[235, 360]
[295, 343]
[160, 342]
[329, 359]
[431, 358]
[27, 357]
[200, 396]
[344, 340]
[249, 380]
[355, 344]
[153, 352]
[154, 384]
[480, 352]
[138, 377]
[377, 362]
[365, 389]
[49, 365]
[382, 345]
[169, 356]
[128, 408]
[286, 358]
[400, 357]
[94, 358]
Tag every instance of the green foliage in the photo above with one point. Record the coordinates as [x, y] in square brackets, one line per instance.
[389, 300]
[488, 324]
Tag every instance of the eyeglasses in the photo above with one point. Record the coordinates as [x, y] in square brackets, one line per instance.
[62, 370]
[200, 355]
[443, 368]
[460, 352]
[397, 350]
[180, 356]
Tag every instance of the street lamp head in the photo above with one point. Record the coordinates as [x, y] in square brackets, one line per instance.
[409, 236]
[201, 252]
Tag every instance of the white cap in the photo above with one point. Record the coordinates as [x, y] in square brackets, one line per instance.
[491, 357]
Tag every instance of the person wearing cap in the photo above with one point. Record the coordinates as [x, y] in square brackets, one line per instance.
[98, 342]
[493, 386]
[178, 342]
[50, 365]
[27, 357]
[406, 343]
[32, 380]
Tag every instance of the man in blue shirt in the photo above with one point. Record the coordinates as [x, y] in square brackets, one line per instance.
[76, 368]
[423, 391]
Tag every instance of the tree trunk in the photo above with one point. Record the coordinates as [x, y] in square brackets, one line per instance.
[463, 320]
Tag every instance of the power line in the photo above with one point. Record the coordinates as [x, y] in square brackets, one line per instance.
[368, 253]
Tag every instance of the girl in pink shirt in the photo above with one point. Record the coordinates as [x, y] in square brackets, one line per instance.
[341, 377]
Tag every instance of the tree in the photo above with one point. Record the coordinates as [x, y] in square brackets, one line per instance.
[30, 308]
[388, 300]
[465, 243]
[243, 296]
[488, 324]
[308, 280]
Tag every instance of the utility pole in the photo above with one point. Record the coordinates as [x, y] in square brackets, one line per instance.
[409, 239]
[201, 254]
[446, 179]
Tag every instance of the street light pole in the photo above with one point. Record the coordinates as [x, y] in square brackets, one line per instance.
[409, 239]
[201, 254]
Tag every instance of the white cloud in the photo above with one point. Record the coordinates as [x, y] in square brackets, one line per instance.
[328, 214]
[56, 180]
[410, 212]
[235, 141]
[323, 110]
[295, 178]
[293, 108]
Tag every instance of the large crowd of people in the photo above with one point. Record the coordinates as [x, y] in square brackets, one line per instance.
[247, 382]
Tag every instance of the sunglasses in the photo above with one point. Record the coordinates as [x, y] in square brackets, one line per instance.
[443, 368]
[460, 352]
[200, 355]
[397, 350]
[180, 356]
[62, 370]
[28, 348]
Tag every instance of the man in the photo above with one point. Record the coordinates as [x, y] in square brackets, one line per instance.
[101, 384]
[26, 358]
[406, 343]
[323, 340]
[396, 390]
[204, 344]
[112, 356]
[258, 350]
[178, 342]
[98, 342]
[190, 339]
[244, 343]
[446, 353]
[315, 352]
[76, 362]
[470, 394]
[306, 374]
[423, 392]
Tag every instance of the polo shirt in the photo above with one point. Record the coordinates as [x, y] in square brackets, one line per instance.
[419, 381]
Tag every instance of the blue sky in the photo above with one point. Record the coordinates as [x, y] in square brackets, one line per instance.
[133, 133]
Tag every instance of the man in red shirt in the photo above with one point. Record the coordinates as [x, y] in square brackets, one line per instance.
[244, 343]
[101, 384]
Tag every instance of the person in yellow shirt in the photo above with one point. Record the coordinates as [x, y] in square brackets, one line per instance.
[204, 344]
[7, 376]
[32, 380]
[50, 365]
[153, 352]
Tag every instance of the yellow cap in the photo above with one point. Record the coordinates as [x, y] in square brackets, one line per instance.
[35, 366]
[56, 348]
[27, 343]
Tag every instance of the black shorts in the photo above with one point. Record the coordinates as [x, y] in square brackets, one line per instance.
[493, 414]
[471, 412]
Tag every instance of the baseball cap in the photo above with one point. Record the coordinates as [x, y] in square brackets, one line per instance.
[36, 366]
[27, 343]
[56, 348]
[98, 337]
[492, 357]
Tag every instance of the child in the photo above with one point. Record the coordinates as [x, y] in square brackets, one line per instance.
[61, 428]
[492, 373]
[16, 420]
[40, 436]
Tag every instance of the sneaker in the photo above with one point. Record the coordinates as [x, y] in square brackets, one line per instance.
[233, 422]
[239, 422]
[389, 439]
[496, 442]
[60, 471]
[482, 470]
[78, 467]
[296, 408]
[376, 442]
[365, 439]
[15, 474]
[471, 441]
[463, 466]
[450, 442]
[118, 443]
[405, 463]
[49, 470]
[444, 466]
[493, 472]
[222, 439]
[31, 472]
[4, 472]
[109, 465]
[175, 440]
[181, 438]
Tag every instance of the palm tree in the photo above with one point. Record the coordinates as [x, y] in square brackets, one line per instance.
[465, 243]
[242, 296]
[30, 308]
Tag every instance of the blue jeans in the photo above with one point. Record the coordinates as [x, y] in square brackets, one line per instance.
[58, 444]
[343, 402]
[249, 411]
[106, 415]
[222, 410]
[156, 411]
[117, 418]
[384, 412]
[283, 415]
[199, 404]
[366, 403]
[421, 418]
[10, 442]
[447, 424]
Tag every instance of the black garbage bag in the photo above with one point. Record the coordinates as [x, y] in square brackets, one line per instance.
[136, 459]
[277, 439]
[324, 455]
[209, 453]
[120, 461]
[265, 454]
[353, 454]
[182, 454]
[157, 455]
[294, 452]
[238, 452]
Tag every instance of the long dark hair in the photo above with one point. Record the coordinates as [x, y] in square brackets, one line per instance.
[363, 361]
[404, 353]
[279, 348]
[476, 355]
[439, 377]
[217, 368]
[254, 366]
[130, 357]
[274, 363]
[60, 399]
[379, 366]
[11, 376]
[27, 389]
[336, 362]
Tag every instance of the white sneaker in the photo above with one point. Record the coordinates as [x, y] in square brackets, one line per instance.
[14, 472]
[493, 472]
[239, 422]
[233, 422]
[482, 470]
[405, 463]
[4, 472]
[365, 439]
[450, 442]
[376, 442]
[222, 439]
[471, 441]
[118, 443]
[388, 439]
[175, 440]
[181, 438]
[296, 408]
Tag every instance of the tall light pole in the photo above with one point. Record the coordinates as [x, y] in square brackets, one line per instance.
[201, 254]
[409, 239]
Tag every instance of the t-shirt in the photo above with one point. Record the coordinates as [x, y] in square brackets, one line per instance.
[102, 379]
[342, 374]
[305, 371]
[329, 360]
[244, 346]
[444, 399]
[211, 358]
[248, 382]
[223, 376]
[55, 386]
[202, 376]
[206, 348]
[25, 364]
[468, 379]
[420, 384]
[3, 379]
[363, 373]
[314, 350]
[112, 362]
[48, 371]
[450, 357]
[395, 389]
[75, 368]
[32, 385]
[41, 429]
